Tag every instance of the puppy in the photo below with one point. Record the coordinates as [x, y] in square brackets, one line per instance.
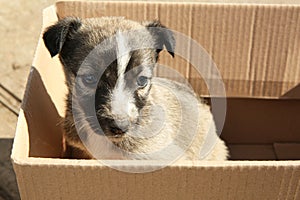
[108, 64]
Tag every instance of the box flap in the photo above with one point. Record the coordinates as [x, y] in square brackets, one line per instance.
[39, 131]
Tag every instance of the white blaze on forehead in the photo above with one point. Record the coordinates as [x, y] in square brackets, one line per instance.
[123, 52]
[122, 100]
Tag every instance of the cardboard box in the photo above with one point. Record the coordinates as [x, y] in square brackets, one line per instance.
[256, 47]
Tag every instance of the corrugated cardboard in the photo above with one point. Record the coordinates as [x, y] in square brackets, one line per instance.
[256, 49]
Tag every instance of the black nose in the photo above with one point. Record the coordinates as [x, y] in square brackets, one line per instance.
[119, 126]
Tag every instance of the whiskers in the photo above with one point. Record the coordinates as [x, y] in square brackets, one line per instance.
[87, 124]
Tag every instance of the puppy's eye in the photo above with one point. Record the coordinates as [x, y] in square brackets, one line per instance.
[90, 79]
[142, 81]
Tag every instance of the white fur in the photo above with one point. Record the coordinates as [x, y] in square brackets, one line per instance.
[123, 53]
[122, 102]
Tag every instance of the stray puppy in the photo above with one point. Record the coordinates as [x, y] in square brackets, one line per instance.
[129, 103]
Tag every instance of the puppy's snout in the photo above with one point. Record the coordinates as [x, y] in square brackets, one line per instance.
[120, 126]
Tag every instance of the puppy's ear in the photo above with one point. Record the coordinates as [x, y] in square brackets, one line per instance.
[55, 35]
[162, 35]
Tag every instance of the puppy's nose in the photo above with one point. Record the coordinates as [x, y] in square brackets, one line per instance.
[120, 126]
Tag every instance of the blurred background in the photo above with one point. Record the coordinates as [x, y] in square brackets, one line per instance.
[20, 26]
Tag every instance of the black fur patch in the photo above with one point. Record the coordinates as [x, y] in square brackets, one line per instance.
[56, 35]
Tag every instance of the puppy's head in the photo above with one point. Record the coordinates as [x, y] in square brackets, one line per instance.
[103, 53]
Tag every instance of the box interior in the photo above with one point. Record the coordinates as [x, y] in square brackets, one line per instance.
[255, 47]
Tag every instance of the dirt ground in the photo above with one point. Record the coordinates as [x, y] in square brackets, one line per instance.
[20, 21]
[19, 31]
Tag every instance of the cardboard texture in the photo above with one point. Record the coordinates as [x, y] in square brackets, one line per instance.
[256, 49]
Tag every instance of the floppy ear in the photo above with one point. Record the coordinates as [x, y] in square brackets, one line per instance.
[163, 36]
[55, 35]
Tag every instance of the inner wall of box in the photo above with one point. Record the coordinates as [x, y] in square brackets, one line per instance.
[255, 47]
[261, 129]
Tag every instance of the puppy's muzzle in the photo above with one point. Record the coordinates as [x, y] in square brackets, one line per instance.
[119, 126]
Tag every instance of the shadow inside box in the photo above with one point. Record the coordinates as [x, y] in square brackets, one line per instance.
[8, 184]
[43, 121]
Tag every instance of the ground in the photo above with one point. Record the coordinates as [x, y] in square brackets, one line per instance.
[21, 22]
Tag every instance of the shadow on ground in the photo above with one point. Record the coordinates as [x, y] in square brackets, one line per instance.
[8, 183]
